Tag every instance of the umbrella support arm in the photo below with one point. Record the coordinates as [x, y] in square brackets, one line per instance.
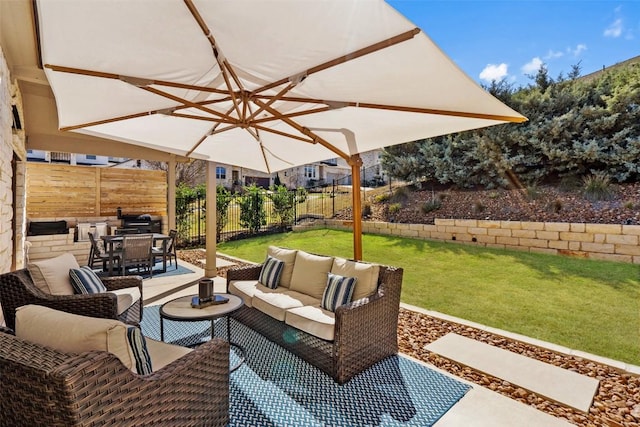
[356, 162]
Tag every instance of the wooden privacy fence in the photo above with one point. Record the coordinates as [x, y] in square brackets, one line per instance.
[55, 191]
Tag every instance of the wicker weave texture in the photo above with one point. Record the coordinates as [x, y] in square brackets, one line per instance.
[366, 330]
[46, 387]
[17, 289]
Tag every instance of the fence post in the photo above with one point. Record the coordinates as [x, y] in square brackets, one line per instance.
[333, 199]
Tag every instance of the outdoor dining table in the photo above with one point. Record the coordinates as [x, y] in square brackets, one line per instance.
[111, 240]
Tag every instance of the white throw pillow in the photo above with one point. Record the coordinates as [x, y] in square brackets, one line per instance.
[51, 275]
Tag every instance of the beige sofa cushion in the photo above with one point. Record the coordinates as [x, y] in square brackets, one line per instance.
[162, 353]
[126, 297]
[72, 333]
[310, 274]
[276, 302]
[244, 289]
[51, 275]
[367, 275]
[288, 256]
[312, 320]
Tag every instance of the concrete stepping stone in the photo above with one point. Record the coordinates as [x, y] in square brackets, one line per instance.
[555, 383]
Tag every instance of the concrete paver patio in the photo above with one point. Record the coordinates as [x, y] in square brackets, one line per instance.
[479, 407]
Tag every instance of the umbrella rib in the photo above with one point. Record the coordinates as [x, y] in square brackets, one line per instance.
[131, 79]
[211, 132]
[272, 99]
[225, 68]
[422, 110]
[290, 115]
[111, 120]
[305, 131]
[185, 102]
[288, 135]
[407, 35]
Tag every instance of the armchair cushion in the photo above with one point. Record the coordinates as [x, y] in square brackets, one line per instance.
[51, 275]
[271, 272]
[85, 281]
[126, 297]
[72, 333]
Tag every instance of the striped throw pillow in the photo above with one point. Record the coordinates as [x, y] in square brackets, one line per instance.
[85, 281]
[271, 272]
[138, 346]
[338, 291]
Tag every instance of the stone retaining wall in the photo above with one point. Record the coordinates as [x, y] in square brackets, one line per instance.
[52, 245]
[611, 242]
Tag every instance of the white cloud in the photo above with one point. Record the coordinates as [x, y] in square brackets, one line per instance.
[554, 54]
[532, 66]
[494, 72]
[615, 29]
[577, 50]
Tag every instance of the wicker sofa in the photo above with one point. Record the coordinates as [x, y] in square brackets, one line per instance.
[342, 343]
[44, 385]
[122, 301]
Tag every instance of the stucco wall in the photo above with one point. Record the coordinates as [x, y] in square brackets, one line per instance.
[612, 242]
[11, 143]
[6, 170]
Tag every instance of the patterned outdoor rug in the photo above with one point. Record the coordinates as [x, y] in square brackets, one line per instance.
[157, 271]
[276, 388]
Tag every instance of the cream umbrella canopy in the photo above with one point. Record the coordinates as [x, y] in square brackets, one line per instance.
[266, 85]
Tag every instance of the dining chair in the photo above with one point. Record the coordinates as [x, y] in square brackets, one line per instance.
[170, 252]
[136, 252]
[97, 254]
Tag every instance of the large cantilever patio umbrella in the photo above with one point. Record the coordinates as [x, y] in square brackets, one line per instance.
[266, 85]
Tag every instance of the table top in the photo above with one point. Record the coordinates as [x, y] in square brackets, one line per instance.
[118, 237]
[180, 309]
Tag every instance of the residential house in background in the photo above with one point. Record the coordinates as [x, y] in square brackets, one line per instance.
[335, 171]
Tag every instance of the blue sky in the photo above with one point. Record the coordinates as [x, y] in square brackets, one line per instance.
[495, 39]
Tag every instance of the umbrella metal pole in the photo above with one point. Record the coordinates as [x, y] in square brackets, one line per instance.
[356, 162]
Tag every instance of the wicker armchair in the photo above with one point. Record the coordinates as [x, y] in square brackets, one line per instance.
[17, 289]
[366, 330]
[51, 388]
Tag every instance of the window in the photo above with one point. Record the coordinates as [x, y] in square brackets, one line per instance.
[310, 172]
[221, 172]
[90, 157]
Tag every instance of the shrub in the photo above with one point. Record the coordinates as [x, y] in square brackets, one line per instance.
[555, 206]
[252, 214]
[597, 187]
[380, 198]
[532, 191]
[478, 206]
[301, 195]
[283, 202]
[431, 205]
[366, 210]
[223, 199]
[569, 184]
[400, 194]
[394, 208]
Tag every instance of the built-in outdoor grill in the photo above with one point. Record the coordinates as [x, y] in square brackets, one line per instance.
[43, 228]
[142, 223]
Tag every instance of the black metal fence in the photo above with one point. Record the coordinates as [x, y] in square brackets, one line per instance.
[243, 218]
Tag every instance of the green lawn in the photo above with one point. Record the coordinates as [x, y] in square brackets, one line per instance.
[582, 304]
